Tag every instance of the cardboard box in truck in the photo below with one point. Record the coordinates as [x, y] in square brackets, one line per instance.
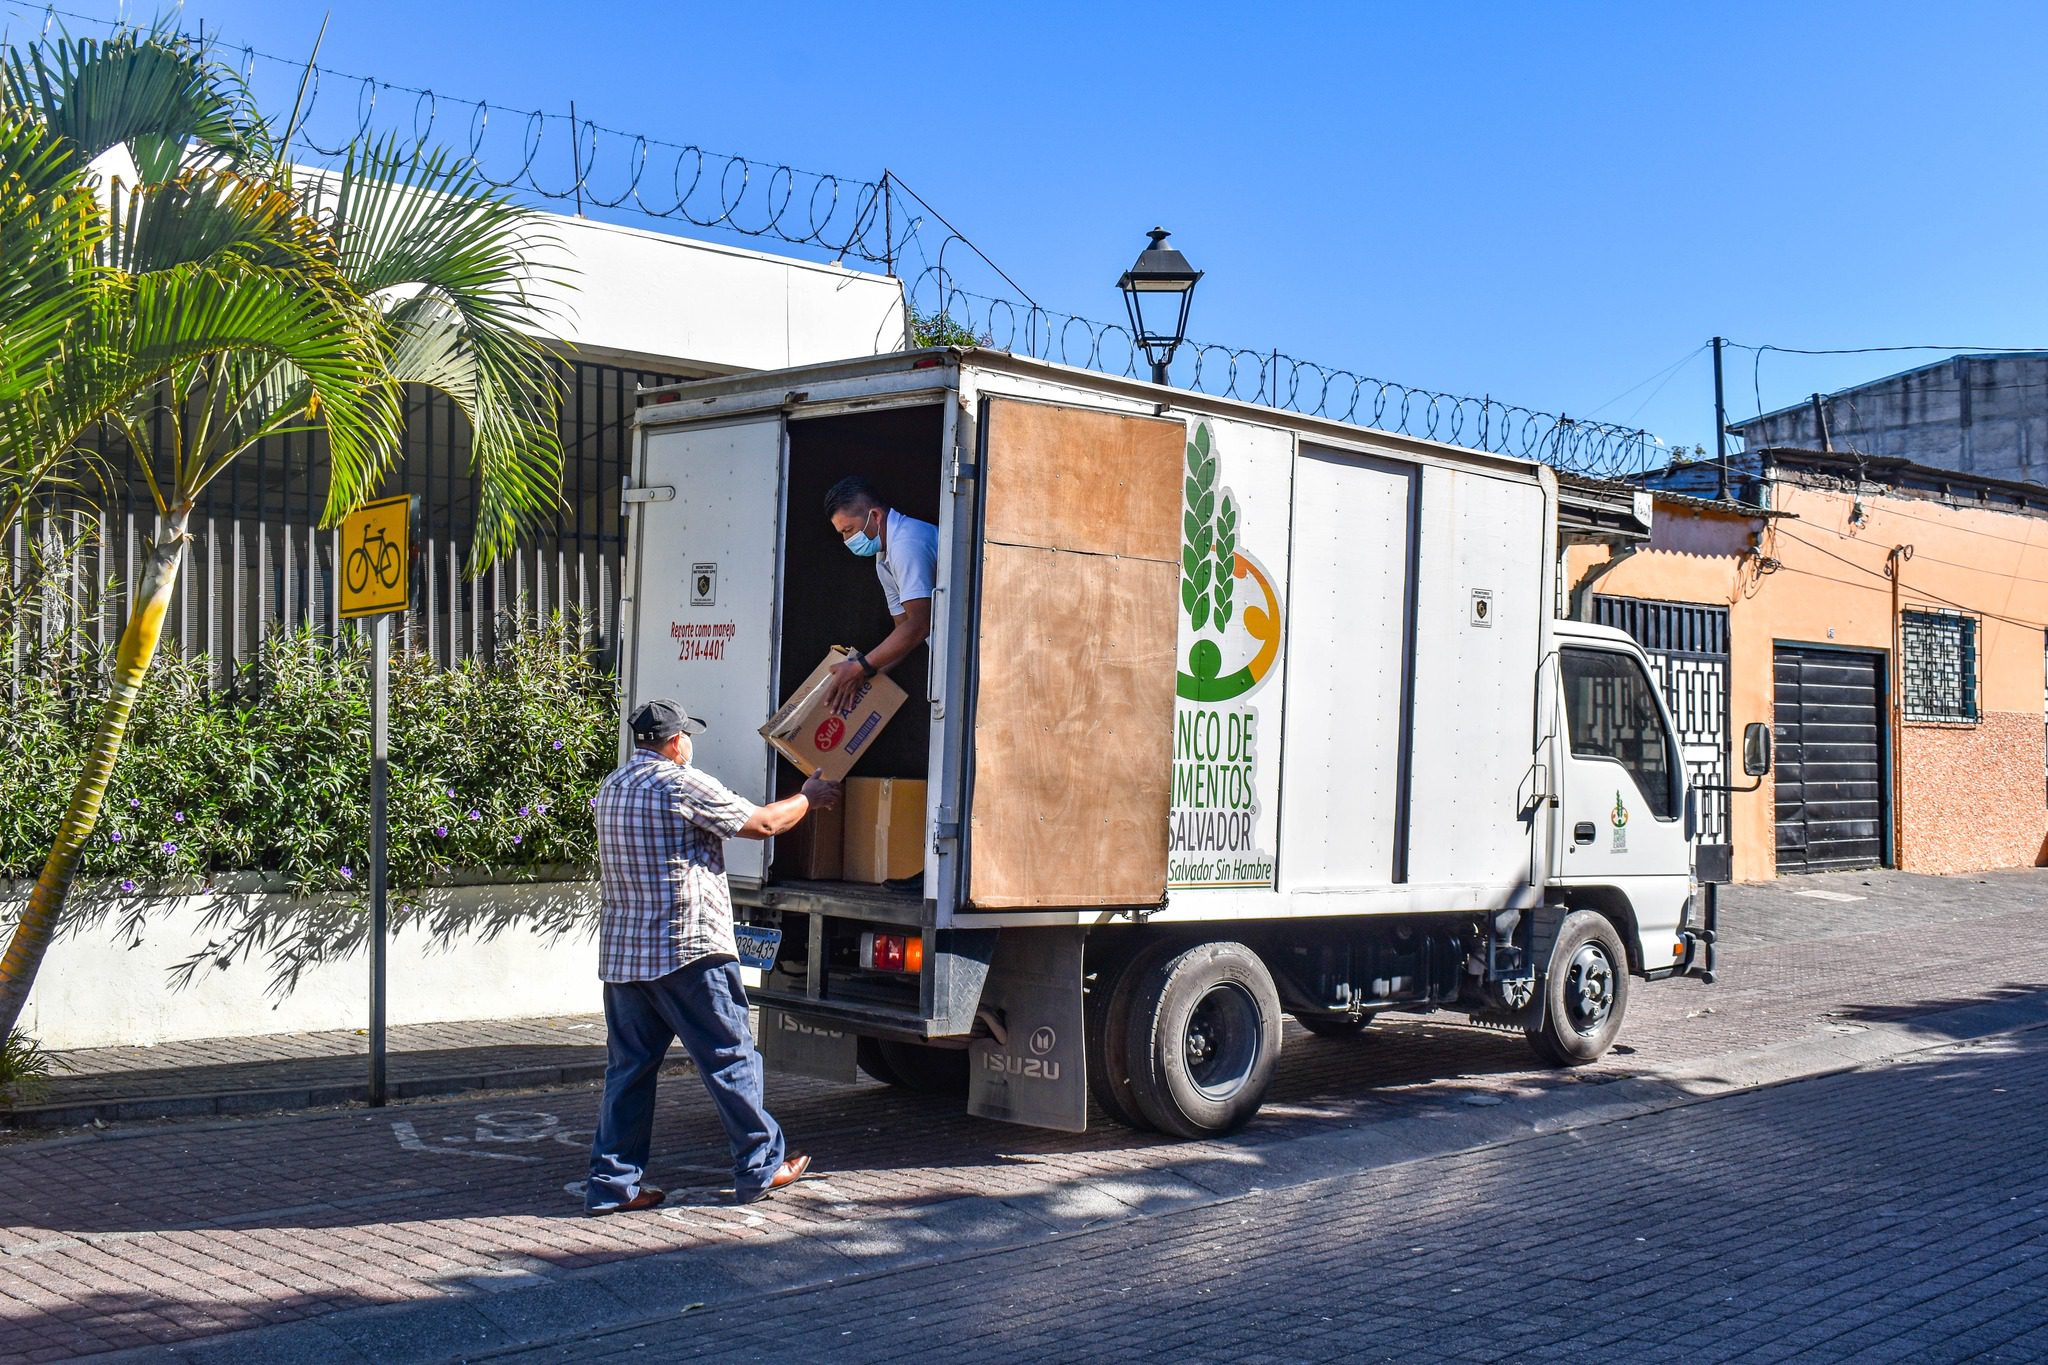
[819, 738]
[884, 829]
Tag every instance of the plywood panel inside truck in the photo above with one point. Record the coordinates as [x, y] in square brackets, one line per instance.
[1073, 710]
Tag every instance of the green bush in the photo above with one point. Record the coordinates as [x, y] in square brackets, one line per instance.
[493, 766]
[24, 1070]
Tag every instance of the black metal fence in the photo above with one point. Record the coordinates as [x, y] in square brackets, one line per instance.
[258, 561]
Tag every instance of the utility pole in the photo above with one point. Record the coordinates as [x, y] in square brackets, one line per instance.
[1720, 427]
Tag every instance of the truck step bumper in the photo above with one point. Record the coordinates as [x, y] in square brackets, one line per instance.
[1700, 940]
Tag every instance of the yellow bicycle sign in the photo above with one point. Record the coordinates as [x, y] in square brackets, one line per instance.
[374, 547]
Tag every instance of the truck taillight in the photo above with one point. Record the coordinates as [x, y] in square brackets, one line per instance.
[892, 952]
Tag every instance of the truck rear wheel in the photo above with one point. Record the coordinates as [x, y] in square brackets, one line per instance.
[867, 1055]
[1108, 1034]
[1585, 992]
[1204, 1036]
[916, 1067]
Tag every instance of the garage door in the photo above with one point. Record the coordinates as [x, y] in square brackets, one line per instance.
[1829, 718]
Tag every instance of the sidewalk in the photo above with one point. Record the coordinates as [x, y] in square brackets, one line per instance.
[308, 1070]
[214, 1076]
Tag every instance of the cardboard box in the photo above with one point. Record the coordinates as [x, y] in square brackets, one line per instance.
[884, 828]
[814, 850]
[815, 737]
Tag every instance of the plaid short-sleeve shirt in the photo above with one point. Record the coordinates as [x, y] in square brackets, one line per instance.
[663, 898]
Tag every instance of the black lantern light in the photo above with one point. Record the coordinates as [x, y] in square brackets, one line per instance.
[1157, 290]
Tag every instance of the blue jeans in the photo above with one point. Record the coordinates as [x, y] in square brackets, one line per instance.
[705, 1007]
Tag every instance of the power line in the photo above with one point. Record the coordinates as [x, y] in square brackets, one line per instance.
[1664, 374]
[1877, 350]
[1922, 592]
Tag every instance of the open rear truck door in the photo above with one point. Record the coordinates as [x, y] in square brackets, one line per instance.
[700, 609]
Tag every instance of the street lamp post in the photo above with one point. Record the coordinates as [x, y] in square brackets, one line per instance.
[1157, 291]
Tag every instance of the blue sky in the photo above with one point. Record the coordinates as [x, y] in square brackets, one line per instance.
[1546, 203]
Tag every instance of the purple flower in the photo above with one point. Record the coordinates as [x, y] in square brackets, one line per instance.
[440, 831]
[558, 744]
[451, 793]
[127, 883]
[348, 871]
[518, 838]
[593, 803]
[179, 817]
[115, 836]
[476, 815]
[170, 848]
[134, 803]
[541, 809]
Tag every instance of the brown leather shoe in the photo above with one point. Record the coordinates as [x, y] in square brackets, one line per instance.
[646, 1199]
[787, 1174]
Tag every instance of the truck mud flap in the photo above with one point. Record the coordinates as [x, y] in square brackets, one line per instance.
[1031, 1067]
[797, 1047]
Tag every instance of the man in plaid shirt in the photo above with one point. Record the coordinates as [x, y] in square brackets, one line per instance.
[668, 961]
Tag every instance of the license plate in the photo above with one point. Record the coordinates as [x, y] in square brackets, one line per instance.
[757, 946]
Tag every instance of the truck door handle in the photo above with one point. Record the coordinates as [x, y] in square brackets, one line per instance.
[1583, 832]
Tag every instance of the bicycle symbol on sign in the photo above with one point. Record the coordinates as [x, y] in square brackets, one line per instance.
[375, 555]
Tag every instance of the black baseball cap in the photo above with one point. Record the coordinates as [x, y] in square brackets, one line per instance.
[663, 719]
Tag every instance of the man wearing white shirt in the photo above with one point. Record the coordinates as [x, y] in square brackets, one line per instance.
[906, 555]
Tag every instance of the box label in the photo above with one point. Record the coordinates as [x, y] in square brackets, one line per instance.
[1221, 829]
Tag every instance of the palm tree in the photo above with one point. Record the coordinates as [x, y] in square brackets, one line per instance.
[232, 297]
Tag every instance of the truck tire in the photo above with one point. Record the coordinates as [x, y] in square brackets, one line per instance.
[867, 1055]
[1204, 1036]
[1334, 1025]
[921, 1068]
[1585, 992]
[1108, 1032]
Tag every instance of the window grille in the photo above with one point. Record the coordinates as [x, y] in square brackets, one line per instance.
[1940, 665]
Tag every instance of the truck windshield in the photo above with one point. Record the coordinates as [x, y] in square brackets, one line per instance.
[1611, 707]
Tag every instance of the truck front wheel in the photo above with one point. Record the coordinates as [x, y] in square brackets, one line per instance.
[1585, 992]
[1203, 1039]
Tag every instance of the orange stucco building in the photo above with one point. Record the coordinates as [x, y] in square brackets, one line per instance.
[1890, 621]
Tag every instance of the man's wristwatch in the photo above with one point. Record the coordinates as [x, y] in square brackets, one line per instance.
[867, 670]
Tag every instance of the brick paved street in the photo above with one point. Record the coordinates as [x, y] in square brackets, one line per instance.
[439, 1228]
[1894, 1214]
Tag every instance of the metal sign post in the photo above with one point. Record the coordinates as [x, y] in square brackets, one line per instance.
[375, 552]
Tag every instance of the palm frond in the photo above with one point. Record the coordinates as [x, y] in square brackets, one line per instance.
[450, 261]
[49, 227]
[150, 90]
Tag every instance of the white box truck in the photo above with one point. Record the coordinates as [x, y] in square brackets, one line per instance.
[1227, 713]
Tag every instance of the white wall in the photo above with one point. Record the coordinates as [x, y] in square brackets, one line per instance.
[95, 990]
[708, 308]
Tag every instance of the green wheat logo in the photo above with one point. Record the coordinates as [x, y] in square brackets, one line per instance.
[1209, 542]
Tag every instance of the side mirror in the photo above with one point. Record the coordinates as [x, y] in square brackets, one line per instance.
[1692, 813]
[1756, 749]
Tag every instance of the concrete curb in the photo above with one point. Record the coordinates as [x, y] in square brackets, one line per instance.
[506, 1315]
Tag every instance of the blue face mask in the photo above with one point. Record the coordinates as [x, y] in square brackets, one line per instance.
[863, 544]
